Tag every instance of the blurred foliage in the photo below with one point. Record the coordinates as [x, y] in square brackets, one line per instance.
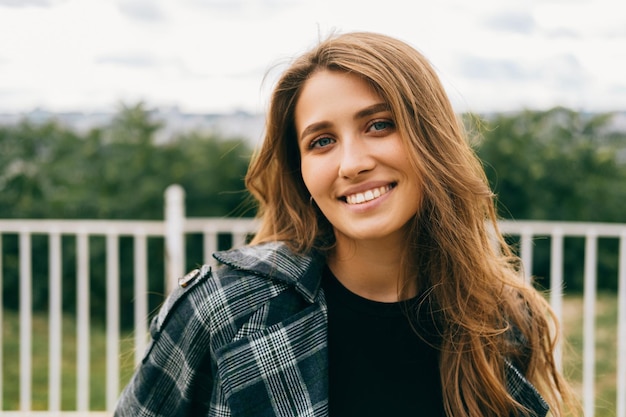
[555, 165]
[117, 172]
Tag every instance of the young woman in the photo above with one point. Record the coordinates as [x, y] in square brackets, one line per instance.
[377, 284]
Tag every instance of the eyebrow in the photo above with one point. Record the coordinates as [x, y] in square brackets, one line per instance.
[371, 110]
[368, 111]
[312, 128]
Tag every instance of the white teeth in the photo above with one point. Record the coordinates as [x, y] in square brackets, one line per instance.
[368, 195]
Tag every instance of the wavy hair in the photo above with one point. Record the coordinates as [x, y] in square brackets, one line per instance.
[484, 313]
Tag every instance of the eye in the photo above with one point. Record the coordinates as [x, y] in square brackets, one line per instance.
[321, 142]
[380, 125]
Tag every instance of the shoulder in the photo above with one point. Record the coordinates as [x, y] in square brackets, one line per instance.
[193, 283]
[211, 299]
[219, 300]
[276, 262]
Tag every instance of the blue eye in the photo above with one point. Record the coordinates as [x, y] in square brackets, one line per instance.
[321, 142]
[380, 125]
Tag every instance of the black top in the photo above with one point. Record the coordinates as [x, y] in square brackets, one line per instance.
[378, 365]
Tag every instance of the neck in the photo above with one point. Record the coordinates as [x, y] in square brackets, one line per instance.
[372, 270]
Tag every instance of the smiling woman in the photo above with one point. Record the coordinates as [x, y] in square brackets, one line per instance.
[373, 286]
[355, 166]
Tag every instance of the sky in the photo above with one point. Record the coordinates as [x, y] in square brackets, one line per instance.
[220, 56]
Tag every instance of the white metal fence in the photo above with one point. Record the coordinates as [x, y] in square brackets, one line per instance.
[173, 230]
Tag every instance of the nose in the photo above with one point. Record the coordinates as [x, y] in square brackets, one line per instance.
[356, 158]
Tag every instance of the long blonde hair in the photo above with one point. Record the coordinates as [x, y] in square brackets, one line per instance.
[484, 312]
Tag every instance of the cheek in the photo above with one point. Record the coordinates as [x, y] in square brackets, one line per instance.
[307, 176]
[316, 179]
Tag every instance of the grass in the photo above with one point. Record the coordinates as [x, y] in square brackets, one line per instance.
[605, 381]
[97, 371]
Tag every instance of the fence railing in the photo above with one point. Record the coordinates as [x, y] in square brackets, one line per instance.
[590, 232]
[174, 230]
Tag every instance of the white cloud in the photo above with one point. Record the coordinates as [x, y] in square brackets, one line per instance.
[211, 55]
[142, 10]
[28, 3]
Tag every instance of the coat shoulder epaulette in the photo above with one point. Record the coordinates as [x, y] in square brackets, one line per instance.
[185, 286]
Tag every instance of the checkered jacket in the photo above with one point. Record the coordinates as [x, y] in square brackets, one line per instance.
[247, 340]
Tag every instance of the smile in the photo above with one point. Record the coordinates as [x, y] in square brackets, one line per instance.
[369, 195]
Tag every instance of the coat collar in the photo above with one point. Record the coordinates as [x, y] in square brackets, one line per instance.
[276, 261]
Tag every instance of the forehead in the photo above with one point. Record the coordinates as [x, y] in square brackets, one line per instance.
[328, 94]
[323, 80]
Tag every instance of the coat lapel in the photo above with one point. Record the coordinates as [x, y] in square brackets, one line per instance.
[279, 371]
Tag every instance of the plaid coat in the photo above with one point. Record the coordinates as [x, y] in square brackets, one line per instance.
[247, 340]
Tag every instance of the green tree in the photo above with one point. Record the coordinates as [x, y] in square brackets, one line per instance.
[35, 166]
[554, 165]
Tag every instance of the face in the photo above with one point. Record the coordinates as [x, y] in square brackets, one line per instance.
[353, 160]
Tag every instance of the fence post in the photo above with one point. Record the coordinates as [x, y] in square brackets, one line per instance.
[174, 234]
[589, 320]
[26, 320]
[621, 329]
[556, 285]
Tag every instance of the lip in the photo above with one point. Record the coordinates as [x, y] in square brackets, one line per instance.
[363, 188]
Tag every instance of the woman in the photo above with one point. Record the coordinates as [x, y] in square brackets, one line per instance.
[377, 284]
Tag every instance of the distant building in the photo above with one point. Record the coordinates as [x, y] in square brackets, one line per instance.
[229, 125]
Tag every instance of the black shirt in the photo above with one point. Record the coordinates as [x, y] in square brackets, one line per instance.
[378, 365]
